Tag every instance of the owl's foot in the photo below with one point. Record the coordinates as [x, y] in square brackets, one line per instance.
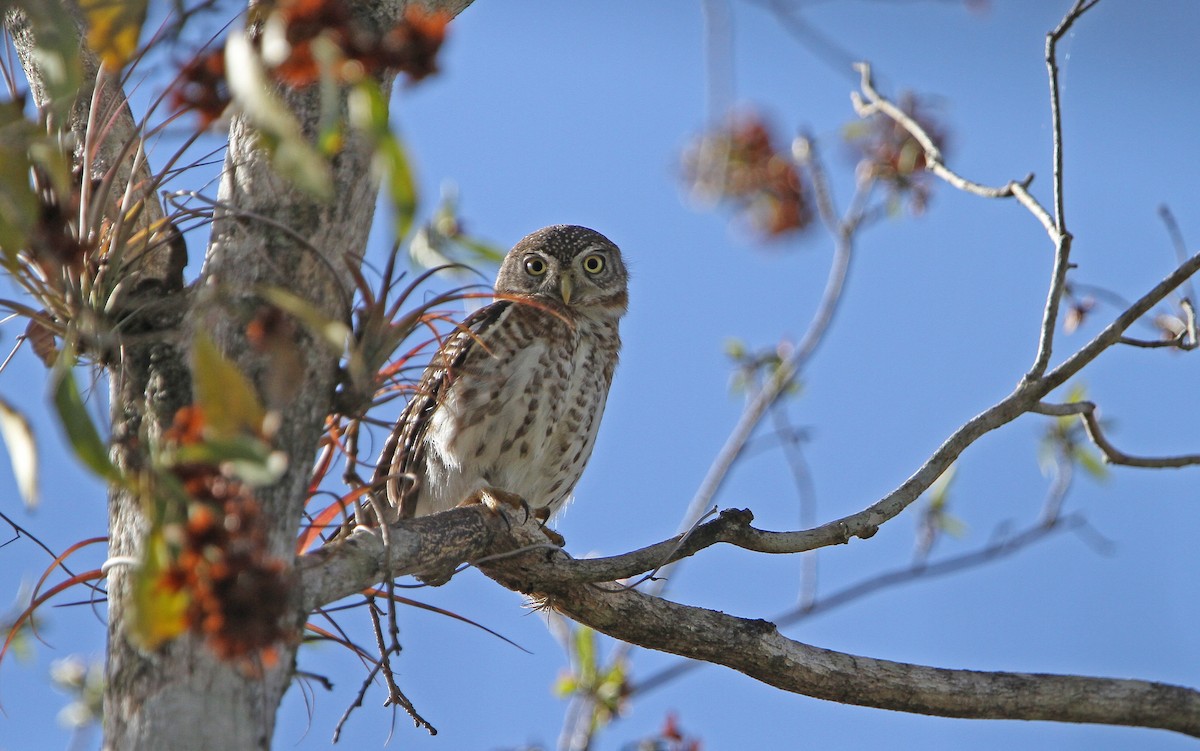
[543, 516]
[495, 499]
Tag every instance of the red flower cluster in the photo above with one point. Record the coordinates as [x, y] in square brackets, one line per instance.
[238, 592]
[202, 87]
[410, 47]
[740, 163]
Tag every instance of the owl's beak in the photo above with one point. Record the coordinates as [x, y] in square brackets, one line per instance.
[565, 288]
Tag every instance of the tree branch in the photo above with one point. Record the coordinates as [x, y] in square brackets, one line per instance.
[1060, 236]
[998, 548]
[755, 647]
[1112, 455]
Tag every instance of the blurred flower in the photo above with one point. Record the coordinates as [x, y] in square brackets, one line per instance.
[889, 154]
[84, 681]
[303, 38]
[202, 87]
[739, 163]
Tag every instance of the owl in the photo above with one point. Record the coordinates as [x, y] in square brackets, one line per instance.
[512, 400]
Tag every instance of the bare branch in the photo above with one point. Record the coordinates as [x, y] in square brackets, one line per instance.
[1020, 191]
[428, 543]
[1001, 547]
[1055, 225]
[865, 523]
[757, 649]
[1061, 237]
[1115, 330]
[734, 528]
[1178, 342]
[757, 407]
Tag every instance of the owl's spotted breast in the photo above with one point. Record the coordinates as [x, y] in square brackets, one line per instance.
[521, 411]
[512, 400]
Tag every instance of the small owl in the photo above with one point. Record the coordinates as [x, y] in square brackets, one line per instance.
[512, 400]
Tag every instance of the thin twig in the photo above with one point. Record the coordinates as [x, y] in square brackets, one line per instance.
[358, 700]
[395, 695]
[1091, 423]
[875, 102]
[1062, 237]
[806, 494]
[995, 550]
[1178, 342]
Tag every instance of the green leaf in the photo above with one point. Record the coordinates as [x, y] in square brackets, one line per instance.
[1077, 393]
[735, 349]
[952, 525]
[427, 249]
[402, 187]
[81, 432]
[441, 241]
[565, 686]
[225, 396]
[247, 458]
[22, 450]
[585, 655]
[939, 491]
[368, 108]
[1091, 463]
[18, 204]
[483, 252]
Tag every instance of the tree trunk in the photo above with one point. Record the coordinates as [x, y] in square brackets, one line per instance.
[181, 696]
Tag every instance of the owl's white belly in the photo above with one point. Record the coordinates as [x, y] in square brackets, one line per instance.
[528, 431]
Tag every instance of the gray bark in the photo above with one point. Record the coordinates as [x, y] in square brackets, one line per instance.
[181, 697]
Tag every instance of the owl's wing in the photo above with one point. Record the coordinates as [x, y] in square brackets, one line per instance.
[402, 458]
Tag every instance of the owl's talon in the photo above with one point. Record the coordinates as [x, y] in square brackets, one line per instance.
[493, 499]
[543, 515]
[554, 537]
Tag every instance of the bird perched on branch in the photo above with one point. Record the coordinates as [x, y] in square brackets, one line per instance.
[510, 404]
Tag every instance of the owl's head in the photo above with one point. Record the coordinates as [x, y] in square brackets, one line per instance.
[567, 265]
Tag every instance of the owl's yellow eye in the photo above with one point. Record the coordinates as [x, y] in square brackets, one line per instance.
[535, 266]
[594, 263]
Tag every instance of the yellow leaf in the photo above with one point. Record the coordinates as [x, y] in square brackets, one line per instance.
[114, 27]
[159, 612]
[22, 450]
[226, 397]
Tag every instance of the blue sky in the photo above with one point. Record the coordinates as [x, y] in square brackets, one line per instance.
[551, 113]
